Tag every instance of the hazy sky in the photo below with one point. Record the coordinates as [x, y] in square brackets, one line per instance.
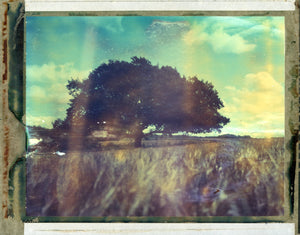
[243, 57]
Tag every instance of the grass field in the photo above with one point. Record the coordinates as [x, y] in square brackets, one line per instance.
[224, 177]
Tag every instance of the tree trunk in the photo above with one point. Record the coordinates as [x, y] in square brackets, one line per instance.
[138, 140]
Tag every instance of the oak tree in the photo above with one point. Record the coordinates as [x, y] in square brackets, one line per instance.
[130, 97]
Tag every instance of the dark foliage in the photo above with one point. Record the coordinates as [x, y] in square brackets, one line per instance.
[127, 97]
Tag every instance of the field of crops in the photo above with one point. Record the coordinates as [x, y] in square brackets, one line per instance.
[228, 177]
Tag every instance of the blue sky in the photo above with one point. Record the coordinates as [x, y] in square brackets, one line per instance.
[243, 57]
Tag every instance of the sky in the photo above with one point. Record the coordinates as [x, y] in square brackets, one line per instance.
[243, 57]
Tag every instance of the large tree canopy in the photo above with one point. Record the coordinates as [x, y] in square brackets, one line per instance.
[131, 96]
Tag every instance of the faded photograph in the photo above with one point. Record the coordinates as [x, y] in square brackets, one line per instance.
[168, 116]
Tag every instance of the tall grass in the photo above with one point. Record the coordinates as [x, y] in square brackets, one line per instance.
[232, 177]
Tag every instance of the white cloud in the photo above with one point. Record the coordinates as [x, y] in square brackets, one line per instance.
[223, 42]
[257, 107]
[166, 32]
[245, 26]
[196, 35]
[219, 40]
[272, 26]
[113, 24]
[262, 93]
[47, 95]
[36, 92]
[232, 88]
[44, 121]
[54, 73]
[229, 34]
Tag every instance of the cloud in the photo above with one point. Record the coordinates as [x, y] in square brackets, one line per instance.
[273, 26]
[256, 107]
[223, 42]
[262, 93]
[218, 39]
[112, 23]
[247, 26]
[44, 121]
[55, 94]
[54, 73]
[36, 92]
[196, 35]
[166, 31]
[46, 95]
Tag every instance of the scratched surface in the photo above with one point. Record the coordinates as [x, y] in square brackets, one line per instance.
[12, 129]
[13, 132]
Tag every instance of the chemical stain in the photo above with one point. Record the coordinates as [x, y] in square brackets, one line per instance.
[6, 128]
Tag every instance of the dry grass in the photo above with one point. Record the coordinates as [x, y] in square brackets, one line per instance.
[232, 177]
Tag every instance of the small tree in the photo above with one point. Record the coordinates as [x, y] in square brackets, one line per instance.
[131, 96]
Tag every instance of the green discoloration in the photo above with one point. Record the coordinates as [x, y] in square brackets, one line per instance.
[293, 89]
[17, 177]
[16, 46]
[290, 146]
[294, 72]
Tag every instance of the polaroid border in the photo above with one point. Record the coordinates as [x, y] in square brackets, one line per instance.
[14, 134]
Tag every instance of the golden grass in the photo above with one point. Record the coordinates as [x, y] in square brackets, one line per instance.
[230, 177]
